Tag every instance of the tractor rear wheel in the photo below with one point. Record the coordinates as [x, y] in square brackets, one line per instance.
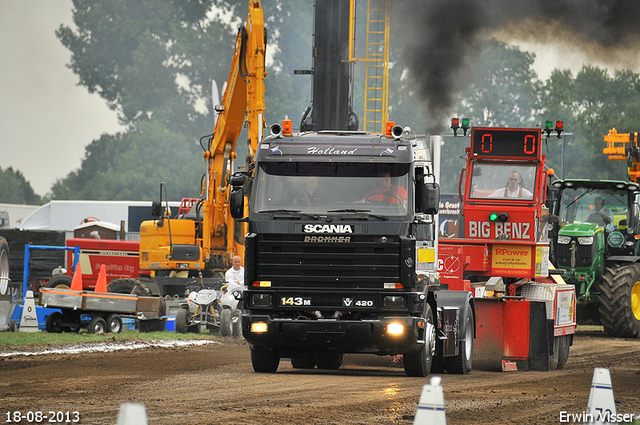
[620, 300]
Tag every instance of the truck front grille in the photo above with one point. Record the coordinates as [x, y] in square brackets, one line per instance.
[363, 262]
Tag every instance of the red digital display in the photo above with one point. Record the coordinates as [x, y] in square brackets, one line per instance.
[506, 142]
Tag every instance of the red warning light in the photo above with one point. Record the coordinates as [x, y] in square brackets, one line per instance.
[455, 125]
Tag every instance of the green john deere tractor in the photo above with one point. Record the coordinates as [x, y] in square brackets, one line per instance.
[599, 249]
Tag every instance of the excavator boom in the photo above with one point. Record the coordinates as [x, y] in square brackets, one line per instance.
[208, 239]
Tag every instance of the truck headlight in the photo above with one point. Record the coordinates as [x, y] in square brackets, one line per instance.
[259, 327]
[564, 240]
[395, 328]
[393, 302]
[585, 240]
[261, 300]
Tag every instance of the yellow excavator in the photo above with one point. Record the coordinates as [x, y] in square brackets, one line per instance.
[200, 242]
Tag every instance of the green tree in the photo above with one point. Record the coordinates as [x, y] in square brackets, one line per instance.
[131, 166]
[16, 189]
[153, 63]
[591, 103]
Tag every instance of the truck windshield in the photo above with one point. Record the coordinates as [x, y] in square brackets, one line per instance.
[332, 187]
[503, 181]
[606, 207]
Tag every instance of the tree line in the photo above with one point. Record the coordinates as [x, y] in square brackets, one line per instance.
[153, 62]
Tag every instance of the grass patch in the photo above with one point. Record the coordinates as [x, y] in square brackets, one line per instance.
[9, 340]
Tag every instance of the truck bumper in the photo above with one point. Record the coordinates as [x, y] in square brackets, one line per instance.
[291, 337]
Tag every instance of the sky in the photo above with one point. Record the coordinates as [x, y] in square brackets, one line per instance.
[47, 120]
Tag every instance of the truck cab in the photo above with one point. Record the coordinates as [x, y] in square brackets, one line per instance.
[341, 252]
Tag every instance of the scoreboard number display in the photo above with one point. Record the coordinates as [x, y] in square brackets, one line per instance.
[521, 143]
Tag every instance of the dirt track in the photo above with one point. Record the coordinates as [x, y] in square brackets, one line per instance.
[215, 384]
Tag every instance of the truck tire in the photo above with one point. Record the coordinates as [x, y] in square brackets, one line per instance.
[97, 325]
[4, 266]
[561, 345]
[181, 321]
[226, 323]
[419, 364]
[54, 322]
[236, 319]
[114, 323]
[264, 360]
[462, 363]
[61, 281]
[620, 300]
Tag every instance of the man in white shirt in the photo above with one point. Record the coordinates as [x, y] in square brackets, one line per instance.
[513, 189]
[235, 275]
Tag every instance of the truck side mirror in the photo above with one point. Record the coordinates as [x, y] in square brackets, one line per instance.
[430, 198]
[236, 203]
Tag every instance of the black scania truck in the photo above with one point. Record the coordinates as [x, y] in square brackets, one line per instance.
[341, 253]
[341, 250]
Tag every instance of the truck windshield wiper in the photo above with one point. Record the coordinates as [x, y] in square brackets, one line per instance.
[297, 213]
[364, 213]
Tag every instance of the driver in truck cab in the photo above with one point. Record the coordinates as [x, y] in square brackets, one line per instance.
[386, 192]
[513, 188]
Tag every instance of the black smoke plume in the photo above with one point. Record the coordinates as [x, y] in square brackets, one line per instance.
[441, 38]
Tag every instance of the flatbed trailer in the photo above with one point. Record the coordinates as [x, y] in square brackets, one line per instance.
[98, 312]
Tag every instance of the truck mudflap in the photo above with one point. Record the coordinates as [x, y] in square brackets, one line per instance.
[511, 334]
[288, 336]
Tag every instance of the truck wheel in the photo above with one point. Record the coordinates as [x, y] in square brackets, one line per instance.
[54, 322]
[181, 321]
[114, 324]
[236, 319]
[4, 266]
[462, 363]
[329, 361]
[61, 281]
[561, 345]
[226, 324]
[419, 364]
[307, 361]
[97, 325]
[620, 301]
[264, 360]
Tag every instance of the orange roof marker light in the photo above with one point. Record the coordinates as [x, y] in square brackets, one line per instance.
[388, 128]
[287, 129]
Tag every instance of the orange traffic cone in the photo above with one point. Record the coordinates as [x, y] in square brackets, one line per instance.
[101, 284]
[76, 283]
